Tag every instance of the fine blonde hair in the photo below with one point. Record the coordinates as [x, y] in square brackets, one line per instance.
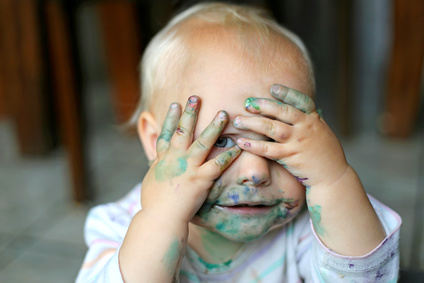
[168, 49]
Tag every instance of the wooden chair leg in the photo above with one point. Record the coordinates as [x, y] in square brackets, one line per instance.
[4, 104]
[344, 68]
[123, 51]
[26, 76]
[65, 86]
[404, 76]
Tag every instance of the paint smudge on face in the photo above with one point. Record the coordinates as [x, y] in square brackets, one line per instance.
[203, 212]
[290, 204]
[249, 191]
[255, 180]
[315, 212]
[234, 197]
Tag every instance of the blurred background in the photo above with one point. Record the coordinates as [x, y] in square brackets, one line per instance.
[69, 80]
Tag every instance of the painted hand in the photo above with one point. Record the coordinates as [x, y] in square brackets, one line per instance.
[300, 140]
[179, 179]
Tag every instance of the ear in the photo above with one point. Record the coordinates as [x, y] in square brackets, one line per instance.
[148, 132]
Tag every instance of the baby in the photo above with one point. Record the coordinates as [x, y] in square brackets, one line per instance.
[247, 183]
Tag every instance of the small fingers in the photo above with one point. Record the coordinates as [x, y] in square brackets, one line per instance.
[203, 144]
[213, 168]
[184, 131]
[274, 109]
[267, 149]
[168, 127]
[273, 129]
[293, 97]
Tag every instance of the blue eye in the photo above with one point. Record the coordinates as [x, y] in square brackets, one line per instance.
[224, 142]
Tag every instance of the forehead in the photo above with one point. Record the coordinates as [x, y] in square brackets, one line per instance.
[223, 72]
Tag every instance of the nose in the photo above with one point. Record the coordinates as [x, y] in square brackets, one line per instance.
[253, 170]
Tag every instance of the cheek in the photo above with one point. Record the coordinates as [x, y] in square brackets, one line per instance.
[289, 184]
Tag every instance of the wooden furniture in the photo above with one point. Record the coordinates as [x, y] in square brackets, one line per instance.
[40, 85]
[405, 70]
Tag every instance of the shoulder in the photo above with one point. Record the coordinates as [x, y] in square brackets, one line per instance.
[113, 218]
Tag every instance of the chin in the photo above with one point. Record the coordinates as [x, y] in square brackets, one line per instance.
[239, 230]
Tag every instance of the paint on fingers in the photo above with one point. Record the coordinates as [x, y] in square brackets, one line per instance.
[243, 143]
[225, 158]
[251, 103]
[165, 171]
[293, 97]
[192, 105]
[167, 128]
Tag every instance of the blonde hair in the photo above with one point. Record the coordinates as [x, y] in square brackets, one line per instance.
[168, 49]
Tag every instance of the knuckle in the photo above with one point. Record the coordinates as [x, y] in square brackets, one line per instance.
[283, 109]
[271, 128]
[267, 149]
[200, 143]
[217, 163]
[181, 130]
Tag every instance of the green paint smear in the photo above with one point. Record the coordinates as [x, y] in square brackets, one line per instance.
[269, 270]
[251, 102]
[211, 266]
[315, 212]
[165, 171]
[182, 166]
[225, 158]
[234, 225]
[170, 260]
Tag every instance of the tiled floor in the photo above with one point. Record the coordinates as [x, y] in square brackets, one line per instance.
[41, 229]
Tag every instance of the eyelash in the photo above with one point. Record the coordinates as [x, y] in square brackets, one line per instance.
[232, 142]
[227, 141]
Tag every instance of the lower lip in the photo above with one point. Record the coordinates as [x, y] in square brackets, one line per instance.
[246, 210]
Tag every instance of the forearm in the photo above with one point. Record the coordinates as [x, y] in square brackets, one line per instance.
[343, 216]
[152, 249]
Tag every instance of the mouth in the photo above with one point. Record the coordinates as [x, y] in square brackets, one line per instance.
[246, 208]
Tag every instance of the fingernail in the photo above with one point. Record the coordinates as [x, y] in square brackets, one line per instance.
[237, 122]
[251, 102]
[276, 88]
[173, 106]
[192, 103]
[193, 99]
[240, 142]
[222, 115]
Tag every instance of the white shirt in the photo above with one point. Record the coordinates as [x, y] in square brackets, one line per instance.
[292, 253]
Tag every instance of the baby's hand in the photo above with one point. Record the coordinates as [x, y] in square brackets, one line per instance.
[301, 140]
[178, 181]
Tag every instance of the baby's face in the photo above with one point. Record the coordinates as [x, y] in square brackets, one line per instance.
[255, 194]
